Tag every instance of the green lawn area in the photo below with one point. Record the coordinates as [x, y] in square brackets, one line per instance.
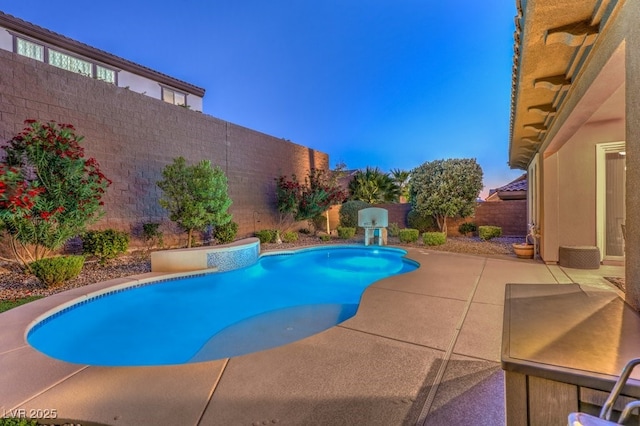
[5, 305]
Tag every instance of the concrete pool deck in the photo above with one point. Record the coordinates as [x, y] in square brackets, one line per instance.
[424, 348]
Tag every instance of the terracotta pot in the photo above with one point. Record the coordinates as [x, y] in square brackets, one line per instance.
[523, 251]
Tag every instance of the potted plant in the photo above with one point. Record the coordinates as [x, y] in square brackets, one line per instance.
[523, 250]
[526, 250]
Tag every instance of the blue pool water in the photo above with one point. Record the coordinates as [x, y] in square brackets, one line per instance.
[280, 299]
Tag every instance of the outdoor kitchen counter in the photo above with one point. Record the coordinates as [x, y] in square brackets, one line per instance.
[563, 346]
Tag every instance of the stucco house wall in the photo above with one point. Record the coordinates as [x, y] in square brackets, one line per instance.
[569, 98]
[632, 132]
[134, 137]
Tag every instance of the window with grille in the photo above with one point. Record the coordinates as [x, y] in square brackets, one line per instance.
[29, 49]
[52, 56]
[70, 63]
[105, 74]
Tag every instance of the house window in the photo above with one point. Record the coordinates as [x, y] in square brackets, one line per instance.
[65, 61]
[29, 49]
[105, 74]
[174, 97]
[70, 63]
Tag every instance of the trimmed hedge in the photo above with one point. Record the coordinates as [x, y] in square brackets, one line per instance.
[225, 234]
[408, 235]
[266, 236]
[346, 232]
[105, 245]
[467, 228]
[393, 229]
[434, 238]
[488, 232]
[54, 271]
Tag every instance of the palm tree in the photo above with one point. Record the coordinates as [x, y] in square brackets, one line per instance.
[401, 179]
[373, 186]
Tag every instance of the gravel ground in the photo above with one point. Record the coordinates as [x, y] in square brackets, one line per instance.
[15, 284]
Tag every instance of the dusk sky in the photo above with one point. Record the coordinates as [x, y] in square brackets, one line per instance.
[382, 83]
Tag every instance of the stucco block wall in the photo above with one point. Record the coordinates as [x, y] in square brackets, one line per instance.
[549, 226]
[134, 137]
[576, 188]
[511, 216]
[577, 182]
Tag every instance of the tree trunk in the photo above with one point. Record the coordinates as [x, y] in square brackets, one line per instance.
[189, 238]
[328, 228]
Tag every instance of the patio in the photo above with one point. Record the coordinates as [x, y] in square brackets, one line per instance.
[424, 348]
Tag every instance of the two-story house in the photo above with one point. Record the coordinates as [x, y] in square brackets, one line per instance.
[42, 45]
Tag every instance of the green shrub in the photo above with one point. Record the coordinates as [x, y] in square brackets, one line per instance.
[290, 237]
[325, 237]
[488, 232]
[11, 421]
[349, 213]
[267, 236]
[408, 235]
[393, 229]
[422, 223]
[54, 271]
[346, 232]
[467, 228]
[152, 235]
[225, 234]
[319, 222]
[434, 238]
[106, 244]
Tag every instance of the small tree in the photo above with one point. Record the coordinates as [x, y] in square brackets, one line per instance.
[373, 186]
[304, 201]
[446, 188]
[401, 179]
[195, 196]
[49, 192]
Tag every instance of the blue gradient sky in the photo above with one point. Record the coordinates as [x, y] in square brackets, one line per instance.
[386, 83]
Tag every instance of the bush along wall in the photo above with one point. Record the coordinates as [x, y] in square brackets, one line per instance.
[408, 235]
[488, 232]
[434, 238]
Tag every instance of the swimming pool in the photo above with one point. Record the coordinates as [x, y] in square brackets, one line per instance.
[280, 299]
